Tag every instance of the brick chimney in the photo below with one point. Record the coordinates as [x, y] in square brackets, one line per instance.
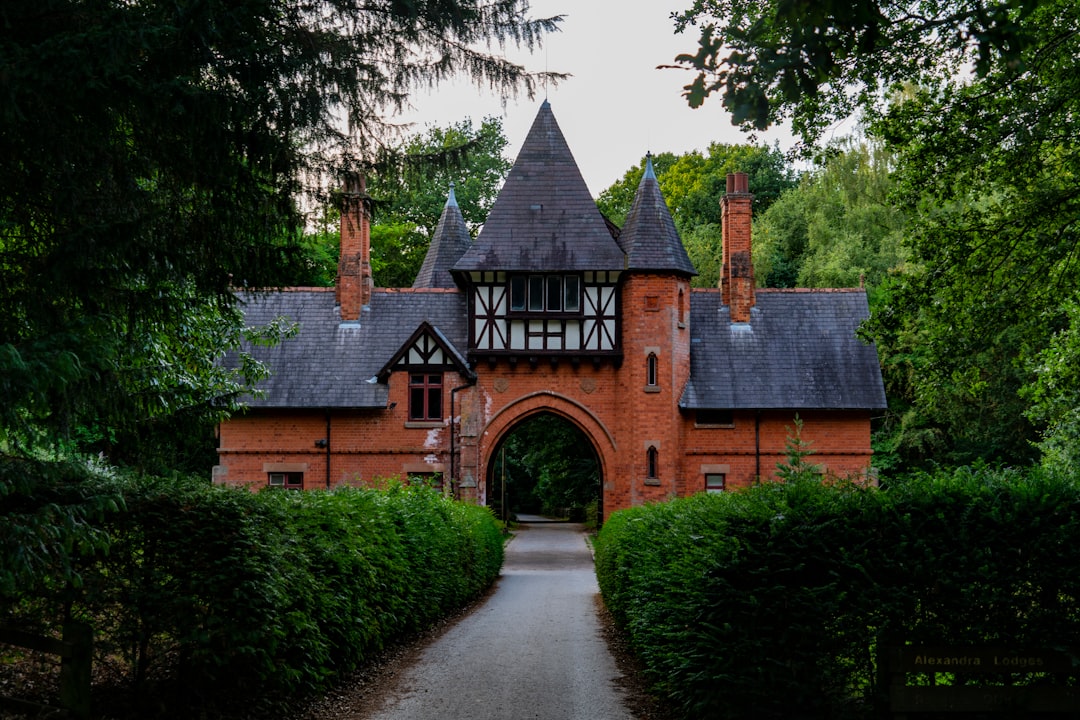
[737, 273]
[354, 281]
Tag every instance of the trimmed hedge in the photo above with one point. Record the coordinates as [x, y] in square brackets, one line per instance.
[210, 596]
[771, 603]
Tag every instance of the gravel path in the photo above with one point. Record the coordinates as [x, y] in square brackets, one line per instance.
[533, 650]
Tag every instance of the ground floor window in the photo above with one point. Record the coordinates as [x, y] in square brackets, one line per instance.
[287, 480]
[714, 482]
[425, 396]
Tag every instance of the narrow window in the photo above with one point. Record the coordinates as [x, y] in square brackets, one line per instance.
[554, 293]
[536, 293]
[714, 482]
[682, 308]
[287, 480]
[651, 461]
[573, 294]
[650, 370]
[425, 396]
[517, 292]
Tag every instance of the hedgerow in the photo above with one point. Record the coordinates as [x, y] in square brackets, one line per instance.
[205, 596]
[772, 602]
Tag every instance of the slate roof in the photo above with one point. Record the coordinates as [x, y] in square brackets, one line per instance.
[799, 351]
[448, 244]
[330, 364]
[649, 236]
[544, 218]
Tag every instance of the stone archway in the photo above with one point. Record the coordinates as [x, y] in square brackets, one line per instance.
[524, 408]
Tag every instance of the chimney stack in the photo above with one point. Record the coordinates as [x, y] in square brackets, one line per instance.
[737, 273]
[354, 281]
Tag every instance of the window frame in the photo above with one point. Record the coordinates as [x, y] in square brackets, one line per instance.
[652, 371]
[289, 480]
[652, 463]
[714, 489]
[523, 290]
[429, 389]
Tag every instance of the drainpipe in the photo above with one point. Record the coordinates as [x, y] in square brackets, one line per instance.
[757, 446]
[453, 434]
[327, 448]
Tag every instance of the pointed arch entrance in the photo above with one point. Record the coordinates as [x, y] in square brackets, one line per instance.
[522, 410]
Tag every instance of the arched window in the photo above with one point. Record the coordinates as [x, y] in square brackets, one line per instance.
[650, 370]
[651, 458]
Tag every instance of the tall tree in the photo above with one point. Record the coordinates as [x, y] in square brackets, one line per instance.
[154, 155]
[837, 228]
[984, 113]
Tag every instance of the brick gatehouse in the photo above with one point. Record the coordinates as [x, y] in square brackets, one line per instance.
[555, 310]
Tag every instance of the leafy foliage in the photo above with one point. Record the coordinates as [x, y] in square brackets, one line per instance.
[977, 102]
[155, 156]
[551, 467]
[754, 603]
[215, 597]
[409, 196]
[992, 163]
[796, 467]
[816, 63]
[1054, 395]
[838, 227]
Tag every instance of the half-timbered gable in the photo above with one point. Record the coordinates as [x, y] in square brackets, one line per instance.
[543, 275]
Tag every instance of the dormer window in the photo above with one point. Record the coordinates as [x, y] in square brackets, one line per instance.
[545, 294]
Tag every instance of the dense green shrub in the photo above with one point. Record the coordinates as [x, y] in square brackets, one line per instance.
[772, 602]
[206, 595]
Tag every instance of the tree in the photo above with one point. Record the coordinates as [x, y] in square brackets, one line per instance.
[1055, 396]
[837, 228]
[411, 194]
[796, 467]
[155, 155]
[816, 63]
[979, 101]
[692, 185]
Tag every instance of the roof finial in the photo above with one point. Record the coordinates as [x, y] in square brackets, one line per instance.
[649, 173]
[451, 200]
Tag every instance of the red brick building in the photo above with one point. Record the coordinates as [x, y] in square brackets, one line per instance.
[555, 310]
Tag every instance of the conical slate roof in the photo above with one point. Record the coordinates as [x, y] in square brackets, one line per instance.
[544, 219]
[450, 241]
[649, 235]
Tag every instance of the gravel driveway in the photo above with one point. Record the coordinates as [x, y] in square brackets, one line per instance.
[533, 650]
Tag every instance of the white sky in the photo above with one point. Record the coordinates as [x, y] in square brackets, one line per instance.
[617, 105]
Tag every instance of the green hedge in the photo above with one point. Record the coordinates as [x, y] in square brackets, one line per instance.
[771, 603]
[222, 595]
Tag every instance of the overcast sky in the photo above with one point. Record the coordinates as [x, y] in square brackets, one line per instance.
[617, 105]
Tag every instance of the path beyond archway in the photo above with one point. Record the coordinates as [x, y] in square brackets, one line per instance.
[532, 651]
